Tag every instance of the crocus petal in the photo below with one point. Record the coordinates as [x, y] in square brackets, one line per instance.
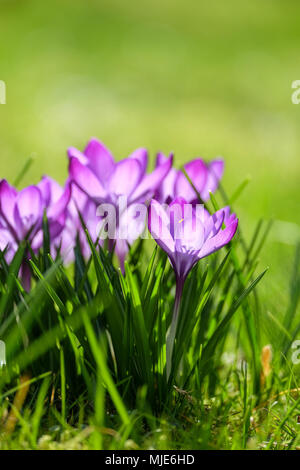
[57, 226]
[56, 190]
[78, 201]
[166, 190]
[75, 153]
[29, 203]
[151, 181]
[221, 239]
[37, 240]
[228, 216]
[8, 196]
[45, 188]
[5, 238]
[214, 224]
[65, 244]
[132, 223]
[28, 210]
[52, 193]
[60, 205]
[100, 160]
[86, 180]
[91, 220]
[226, 210]
[215, 173]
[161, 158]
[125, 178]
[176, 210]
[198, 173]
[158, 224]
[142, 156]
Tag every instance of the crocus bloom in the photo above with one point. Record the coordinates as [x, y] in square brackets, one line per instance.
[97, 174]
[187, 234]
[21, 214]
[104, 180]
[205, 178]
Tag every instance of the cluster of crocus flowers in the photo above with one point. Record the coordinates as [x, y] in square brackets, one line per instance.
[181, 226]
[94, 179]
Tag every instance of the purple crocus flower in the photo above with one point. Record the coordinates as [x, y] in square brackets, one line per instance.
[96, 173]
[205, 177]
[21, 212]
[187, 234]
[21, 216]
[104, 180]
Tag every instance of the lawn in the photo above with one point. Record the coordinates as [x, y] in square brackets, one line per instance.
[201, 79]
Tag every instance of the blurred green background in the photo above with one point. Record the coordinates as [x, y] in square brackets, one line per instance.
[196, 77]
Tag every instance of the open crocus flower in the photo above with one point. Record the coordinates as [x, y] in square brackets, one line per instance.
[104, 180]
[20, 212]
[21, 215]
[7, 242]
[187, 233]
[96, 173]
[205, 178]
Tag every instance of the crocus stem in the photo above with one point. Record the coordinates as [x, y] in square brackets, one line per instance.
[171, 333]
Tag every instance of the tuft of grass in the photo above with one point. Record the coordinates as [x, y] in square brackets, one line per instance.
[86, 353]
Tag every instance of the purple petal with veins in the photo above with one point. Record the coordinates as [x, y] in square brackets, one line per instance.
[28, 210]
[100, 160]
[86, 180]
[125, 178]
